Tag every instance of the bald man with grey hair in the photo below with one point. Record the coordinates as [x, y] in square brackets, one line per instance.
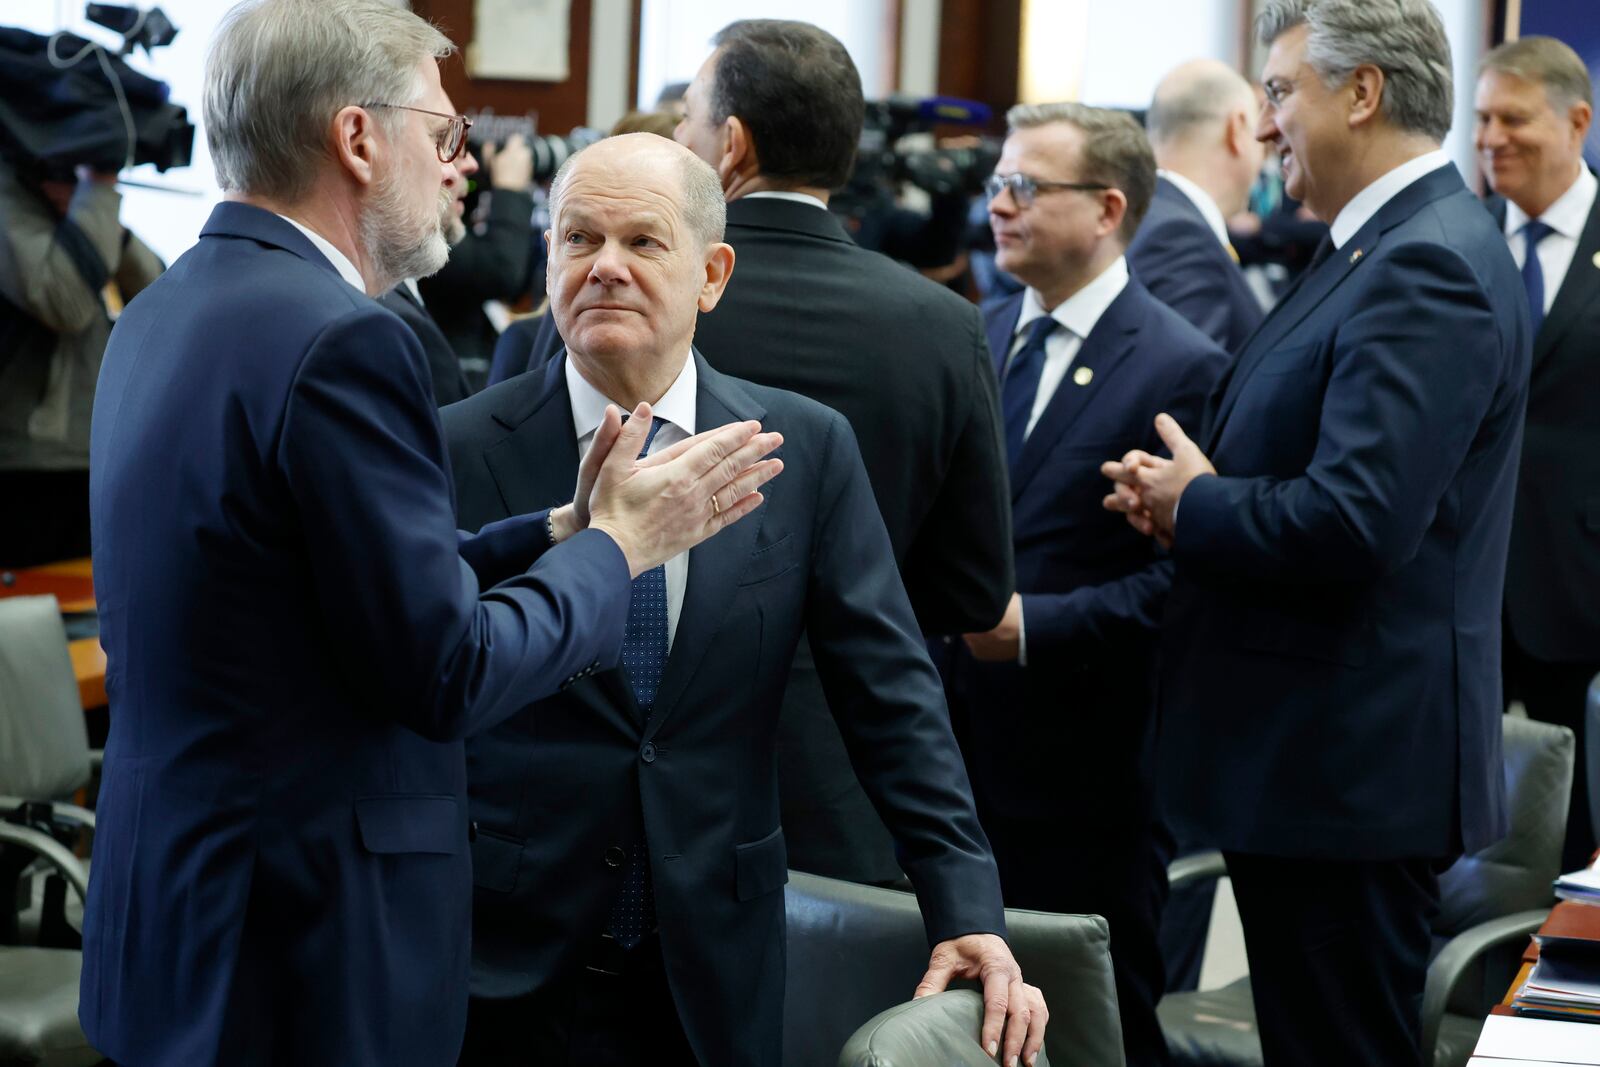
[629, 856]
[1201, 126]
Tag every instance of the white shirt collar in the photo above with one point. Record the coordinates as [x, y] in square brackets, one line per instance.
[1202, 201]
[1365, 204]
[341, 263]
[1080, 311]
[1568, 215]
[676, 405]
[784, 194]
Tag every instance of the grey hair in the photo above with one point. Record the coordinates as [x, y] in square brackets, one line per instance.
[1115, 152]
[279, 70]
[1405, 39]
[1546, 62]
[703, 207]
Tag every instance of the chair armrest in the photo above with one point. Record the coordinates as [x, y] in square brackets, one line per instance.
[66, 813]
[45, 846]
[1458, 954]
[1201, 866]
[97, 759]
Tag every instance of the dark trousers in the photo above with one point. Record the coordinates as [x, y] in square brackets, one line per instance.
[1114, 872]
[1338, 955]
[1186, 918]
[1558, 693]
[616, 1011]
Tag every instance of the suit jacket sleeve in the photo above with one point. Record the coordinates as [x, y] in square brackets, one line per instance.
[1413, 374]
[960, 566]
[887, 700]
[1128, 608]
[363, 457]
[1182, 274]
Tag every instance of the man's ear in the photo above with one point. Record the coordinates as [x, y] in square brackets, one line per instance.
[1367, 85]
[356, 143]
[719, 268]
[738, 151]
[1237, 135]
[1112, 211]
[549, 252]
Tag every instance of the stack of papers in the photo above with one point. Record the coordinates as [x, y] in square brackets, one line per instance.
[1507, 1040]
[1564, 983]
[1581, 885]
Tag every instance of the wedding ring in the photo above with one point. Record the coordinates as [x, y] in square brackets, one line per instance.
[716, 508]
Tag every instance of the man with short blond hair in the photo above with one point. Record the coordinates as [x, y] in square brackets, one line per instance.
[1535, 107]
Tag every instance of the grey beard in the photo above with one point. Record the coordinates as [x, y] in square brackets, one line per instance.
[400, 244]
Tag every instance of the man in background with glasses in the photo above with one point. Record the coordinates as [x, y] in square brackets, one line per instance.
[1054, 706]
[297, 637]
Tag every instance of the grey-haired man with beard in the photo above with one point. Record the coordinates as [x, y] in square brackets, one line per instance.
[297, 636]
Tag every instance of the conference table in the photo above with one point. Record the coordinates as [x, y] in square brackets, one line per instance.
[71, 582]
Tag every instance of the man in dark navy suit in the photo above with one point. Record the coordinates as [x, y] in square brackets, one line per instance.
[629, 860]
[1086, 356]
[297, 638]
[1201, 128]
[1535, 106]
[1330, 687]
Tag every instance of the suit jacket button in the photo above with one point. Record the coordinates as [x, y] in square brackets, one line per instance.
[615, 856]
[648, 753]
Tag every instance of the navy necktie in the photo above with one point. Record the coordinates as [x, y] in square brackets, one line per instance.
[644, 658]
[1020, 386]
[1532, 272]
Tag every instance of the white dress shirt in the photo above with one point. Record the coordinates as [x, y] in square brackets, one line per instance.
[1368, 201]
[1567, 218]
[784, 194]
[676, 408]
[1077, 314]
[1203, 203]
[341, 262]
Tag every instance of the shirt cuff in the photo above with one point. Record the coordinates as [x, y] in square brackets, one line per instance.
[1022, 633]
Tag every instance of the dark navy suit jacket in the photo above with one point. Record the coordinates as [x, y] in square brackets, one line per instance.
[1330, 680]
[1092, 588]
[563, 785]
[1177, 256]
[296, 642]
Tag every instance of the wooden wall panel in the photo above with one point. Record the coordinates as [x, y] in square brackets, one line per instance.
[979, 48]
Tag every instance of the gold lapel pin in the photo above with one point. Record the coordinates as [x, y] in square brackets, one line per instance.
[1355, 257]
[1083, 375]
[1596, 260]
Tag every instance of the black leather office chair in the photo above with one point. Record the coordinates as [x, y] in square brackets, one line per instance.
[1489, 903]
[44, 756]
[937, 1031]
[855, 951]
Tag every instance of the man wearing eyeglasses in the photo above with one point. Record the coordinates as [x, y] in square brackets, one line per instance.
[1053, 706]
[297, 636]
[1330, 659]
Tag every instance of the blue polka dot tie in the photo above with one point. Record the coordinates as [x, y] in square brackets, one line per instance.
[644, 658]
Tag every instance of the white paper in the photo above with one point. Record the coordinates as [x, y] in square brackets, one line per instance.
[1511, 1037]
[520, 39]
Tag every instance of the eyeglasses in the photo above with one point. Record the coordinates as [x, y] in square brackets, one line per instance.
[1277, 91]
[1024, 189]
[449, 142]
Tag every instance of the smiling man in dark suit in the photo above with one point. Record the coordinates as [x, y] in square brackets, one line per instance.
[1201, 128]
[1330, 685]
[1086, 356]
[629, 860]
[1534, 107]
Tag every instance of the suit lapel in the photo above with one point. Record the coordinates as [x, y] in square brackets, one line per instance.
[534, 467]
[1001, 325]
[1107, 345]
[714, 564]
[1315, 286]
[1580, 289]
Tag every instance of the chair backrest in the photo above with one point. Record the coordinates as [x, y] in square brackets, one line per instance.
[855, 951]
[937, 1031]
[1515, 873]
[44, 746]
[1591, 755]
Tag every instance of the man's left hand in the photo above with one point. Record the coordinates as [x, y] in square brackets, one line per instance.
[1009, 1003]
[1148, 487]
[1003, 643]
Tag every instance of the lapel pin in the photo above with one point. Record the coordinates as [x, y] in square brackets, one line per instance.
[1596, 260]
[1355, 257]
[1083, 375]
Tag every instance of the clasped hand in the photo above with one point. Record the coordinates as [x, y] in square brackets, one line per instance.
[1146, 488]
[671, 500]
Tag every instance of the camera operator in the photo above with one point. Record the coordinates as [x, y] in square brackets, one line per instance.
[492, 261]
[61, 243]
